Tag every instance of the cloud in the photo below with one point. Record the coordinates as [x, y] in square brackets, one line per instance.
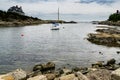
[69, 9]
[98, 1]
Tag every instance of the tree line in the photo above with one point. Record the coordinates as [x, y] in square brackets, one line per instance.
[11, 16]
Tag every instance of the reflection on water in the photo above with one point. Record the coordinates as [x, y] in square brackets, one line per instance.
[39, 45]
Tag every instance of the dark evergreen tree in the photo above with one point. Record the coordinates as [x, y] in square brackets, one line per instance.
[114, 17]
[10, 16]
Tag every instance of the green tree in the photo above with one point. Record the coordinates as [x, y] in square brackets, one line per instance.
[114, 17]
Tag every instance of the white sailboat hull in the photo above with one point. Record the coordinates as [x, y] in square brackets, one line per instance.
[55, 28]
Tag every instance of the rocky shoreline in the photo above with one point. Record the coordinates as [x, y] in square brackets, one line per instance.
[27, 22]
[20, 23]
[117, 23]
[12, 19]
[97, 71]
[108, 37]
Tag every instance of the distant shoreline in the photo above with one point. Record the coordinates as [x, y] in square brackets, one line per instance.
[9, 19]
[15, 23]
[25, 23]
[109, 23]
[114, 19]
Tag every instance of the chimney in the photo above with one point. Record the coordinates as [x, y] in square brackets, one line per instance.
[16, 6]
[117, 12]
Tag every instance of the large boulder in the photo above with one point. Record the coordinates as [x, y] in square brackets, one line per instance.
[100, 74]
[39, 77]
[111, 62]
[66, 71]
[50, 76]
[19, 74]
[68, 77]
[15, 75]
[6, 77]
[97, 64]
[83, 70]
[44, 67]
[116, 74]
[112, 67]
[81, 76]
[35, 73]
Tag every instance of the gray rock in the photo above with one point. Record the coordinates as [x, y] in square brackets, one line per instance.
[81, 76]
[37, 67]
[68, 77]
[50, 76]
[44, 67]
[83, 70]
[56, 79]
[35, 73]
[57, 73]
[111, 62]
[6, 77]
[116, 74]
[118, 52]
[112, 67]
[18, 74]
[39, 77]
[49, 65]
[100, 74]
[76, 69]
[92, 69]
[97, 64]
[66, 71]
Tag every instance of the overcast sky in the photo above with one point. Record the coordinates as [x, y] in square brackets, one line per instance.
[78, 10]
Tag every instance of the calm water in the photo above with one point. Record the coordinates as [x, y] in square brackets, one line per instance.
[39, 45]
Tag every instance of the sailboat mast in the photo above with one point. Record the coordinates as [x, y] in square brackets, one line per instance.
[58, 14]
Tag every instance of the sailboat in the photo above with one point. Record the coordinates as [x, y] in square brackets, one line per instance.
[55, 25]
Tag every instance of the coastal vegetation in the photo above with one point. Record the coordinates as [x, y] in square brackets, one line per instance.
[108, 36]
[16, 17]
[10, 17]
[114, 19]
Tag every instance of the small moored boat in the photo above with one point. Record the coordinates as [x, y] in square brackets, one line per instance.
[55, 26]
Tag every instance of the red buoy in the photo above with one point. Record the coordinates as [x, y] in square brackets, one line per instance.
[22, 35]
